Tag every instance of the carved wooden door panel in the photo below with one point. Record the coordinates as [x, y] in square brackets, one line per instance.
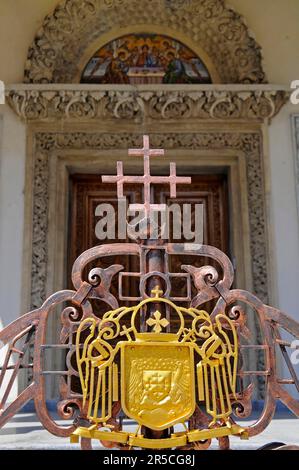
[211, 192]
[88, 191]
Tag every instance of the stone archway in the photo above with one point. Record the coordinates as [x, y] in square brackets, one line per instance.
[77, 28]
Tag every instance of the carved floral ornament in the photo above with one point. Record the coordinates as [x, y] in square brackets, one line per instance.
[74, 30]
[142, 103]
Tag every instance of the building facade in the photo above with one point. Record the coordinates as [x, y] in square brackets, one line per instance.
[210, 83]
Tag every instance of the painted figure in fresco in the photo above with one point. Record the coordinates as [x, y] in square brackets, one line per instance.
[134, 57]
[175, 72]
[181, 70]
[154, 58]
[118, 69]
[144, 57]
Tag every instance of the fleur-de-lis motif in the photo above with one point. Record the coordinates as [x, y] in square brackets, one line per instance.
[157, 322]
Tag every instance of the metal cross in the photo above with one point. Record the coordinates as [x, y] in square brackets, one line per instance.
[146, 179]
[157, 292]
[157, 322]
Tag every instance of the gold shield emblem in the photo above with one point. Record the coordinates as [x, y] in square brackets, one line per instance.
[157, 383]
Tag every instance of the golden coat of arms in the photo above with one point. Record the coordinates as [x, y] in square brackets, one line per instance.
[158, 383]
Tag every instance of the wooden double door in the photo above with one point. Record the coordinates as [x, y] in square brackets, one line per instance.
[88, 192]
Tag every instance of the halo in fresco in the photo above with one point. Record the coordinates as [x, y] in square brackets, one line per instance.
[145, 58]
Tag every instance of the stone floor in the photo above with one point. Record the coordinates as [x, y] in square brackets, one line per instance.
[25, 432]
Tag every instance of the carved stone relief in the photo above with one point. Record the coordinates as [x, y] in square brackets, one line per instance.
[55, 55]
[145, 103]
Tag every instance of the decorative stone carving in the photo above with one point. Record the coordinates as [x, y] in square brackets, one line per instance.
[56, 52]
[39, 230]
[143, 103]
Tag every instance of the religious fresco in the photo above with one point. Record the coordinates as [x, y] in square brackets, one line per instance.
[145, 58]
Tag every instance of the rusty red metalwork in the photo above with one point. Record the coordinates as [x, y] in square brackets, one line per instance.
[205, 283]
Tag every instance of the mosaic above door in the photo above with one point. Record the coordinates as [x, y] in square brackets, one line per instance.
[145, 58]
